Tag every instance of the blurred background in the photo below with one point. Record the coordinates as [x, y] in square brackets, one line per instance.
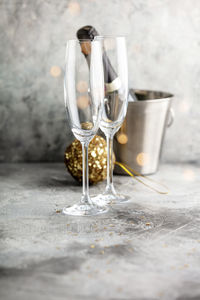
[163, 38]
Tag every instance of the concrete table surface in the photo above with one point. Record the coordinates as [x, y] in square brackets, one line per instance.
[148, 248]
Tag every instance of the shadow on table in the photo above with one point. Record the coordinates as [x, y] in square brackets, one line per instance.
[58, 181]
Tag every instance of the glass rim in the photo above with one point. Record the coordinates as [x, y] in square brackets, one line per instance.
[97, 36]
[79, 40]
[111, 36]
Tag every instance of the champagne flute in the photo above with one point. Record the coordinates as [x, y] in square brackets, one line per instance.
[84, 94]
[115, 106]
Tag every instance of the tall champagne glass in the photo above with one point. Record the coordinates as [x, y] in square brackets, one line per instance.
[115, 106]
[84, 94]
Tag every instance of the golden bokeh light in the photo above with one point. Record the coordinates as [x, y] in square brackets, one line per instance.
[142, 159]
[74, 8]
[122, 138]
[83, 102]
[55, 71]
[188, 175]
[82, 86]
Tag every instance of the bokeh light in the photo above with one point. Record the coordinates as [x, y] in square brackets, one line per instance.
[74, 8]
[55, 71]
[122, 138]
[188, 174]
[142, 159]
[82, 86]
[184, 107]
[83, 102]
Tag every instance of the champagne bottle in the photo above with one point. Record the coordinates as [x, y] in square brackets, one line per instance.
[112, 81]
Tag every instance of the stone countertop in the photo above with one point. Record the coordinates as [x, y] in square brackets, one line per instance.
[148, 248]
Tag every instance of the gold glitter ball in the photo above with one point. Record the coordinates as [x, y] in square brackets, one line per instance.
[97, 159]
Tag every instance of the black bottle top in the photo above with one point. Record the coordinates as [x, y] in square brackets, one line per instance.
[86, 32]
[112, 82]
[89, 32]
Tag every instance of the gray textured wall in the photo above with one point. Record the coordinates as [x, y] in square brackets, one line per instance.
[164, 53]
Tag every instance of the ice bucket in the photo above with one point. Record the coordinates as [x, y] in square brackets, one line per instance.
[139, 141]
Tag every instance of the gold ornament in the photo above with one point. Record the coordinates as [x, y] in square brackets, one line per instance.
[97, 159]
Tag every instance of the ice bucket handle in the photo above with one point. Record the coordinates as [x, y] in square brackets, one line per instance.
[170, 117]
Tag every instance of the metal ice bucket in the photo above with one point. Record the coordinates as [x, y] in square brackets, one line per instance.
[138, 143]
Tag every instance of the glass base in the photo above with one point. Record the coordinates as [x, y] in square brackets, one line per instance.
[84, 210]
[109, 199]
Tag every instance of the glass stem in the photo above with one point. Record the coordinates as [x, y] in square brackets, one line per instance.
[109, 186]
[85, 175]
